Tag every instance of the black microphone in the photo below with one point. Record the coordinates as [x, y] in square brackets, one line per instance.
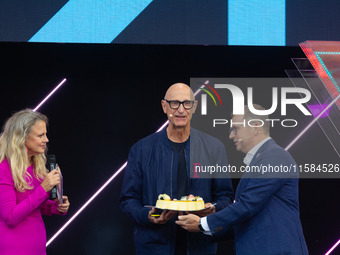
[52, 162]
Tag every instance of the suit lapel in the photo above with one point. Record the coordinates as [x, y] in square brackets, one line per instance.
[260, 151]
[245, 178]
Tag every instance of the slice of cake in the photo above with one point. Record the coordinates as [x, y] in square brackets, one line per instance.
[187, 203]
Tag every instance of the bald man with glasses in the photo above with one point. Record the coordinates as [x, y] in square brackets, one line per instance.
[160, 164]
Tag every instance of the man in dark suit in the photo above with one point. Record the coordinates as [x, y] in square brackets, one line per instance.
[265, 214]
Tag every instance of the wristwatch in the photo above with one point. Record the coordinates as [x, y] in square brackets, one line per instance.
[200, 226]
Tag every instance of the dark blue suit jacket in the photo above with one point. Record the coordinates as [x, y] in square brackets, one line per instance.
[265, 215]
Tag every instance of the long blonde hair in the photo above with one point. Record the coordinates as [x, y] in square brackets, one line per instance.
[12, 147]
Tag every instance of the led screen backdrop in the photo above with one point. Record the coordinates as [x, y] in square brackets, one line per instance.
[120, 53]
[202, 22]
[111, 99]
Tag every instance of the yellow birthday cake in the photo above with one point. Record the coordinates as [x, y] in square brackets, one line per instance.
[187, 203]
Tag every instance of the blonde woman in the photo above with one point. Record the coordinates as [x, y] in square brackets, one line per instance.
[25, 185]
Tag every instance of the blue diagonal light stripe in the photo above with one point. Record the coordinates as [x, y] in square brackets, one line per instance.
[90, 21]
[257, 22]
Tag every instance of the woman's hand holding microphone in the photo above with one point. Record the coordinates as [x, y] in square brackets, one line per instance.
[51, 179]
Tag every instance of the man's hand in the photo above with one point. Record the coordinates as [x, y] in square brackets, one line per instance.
[210, 208]
[189, 222]
[165, 216]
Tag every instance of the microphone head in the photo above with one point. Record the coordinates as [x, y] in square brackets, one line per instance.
[240, 140]
[51, 159]
[170, 115]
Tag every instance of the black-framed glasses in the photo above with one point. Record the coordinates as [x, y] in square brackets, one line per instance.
[233, 129]
[175, 104]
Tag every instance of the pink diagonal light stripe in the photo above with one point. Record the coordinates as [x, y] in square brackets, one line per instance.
[49, 95]
[334, 246]
[86, 204]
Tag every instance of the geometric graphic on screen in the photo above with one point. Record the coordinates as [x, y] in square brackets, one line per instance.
[320, 74]
[90, 21]
[325, 58]
[227, 22]
[253, 22]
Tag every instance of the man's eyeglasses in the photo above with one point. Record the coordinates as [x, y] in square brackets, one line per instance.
[233, 129]
[175, 104]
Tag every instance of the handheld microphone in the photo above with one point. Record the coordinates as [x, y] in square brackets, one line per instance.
[51, 160]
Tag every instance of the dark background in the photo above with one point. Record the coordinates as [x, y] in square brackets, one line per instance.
[112, 99]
